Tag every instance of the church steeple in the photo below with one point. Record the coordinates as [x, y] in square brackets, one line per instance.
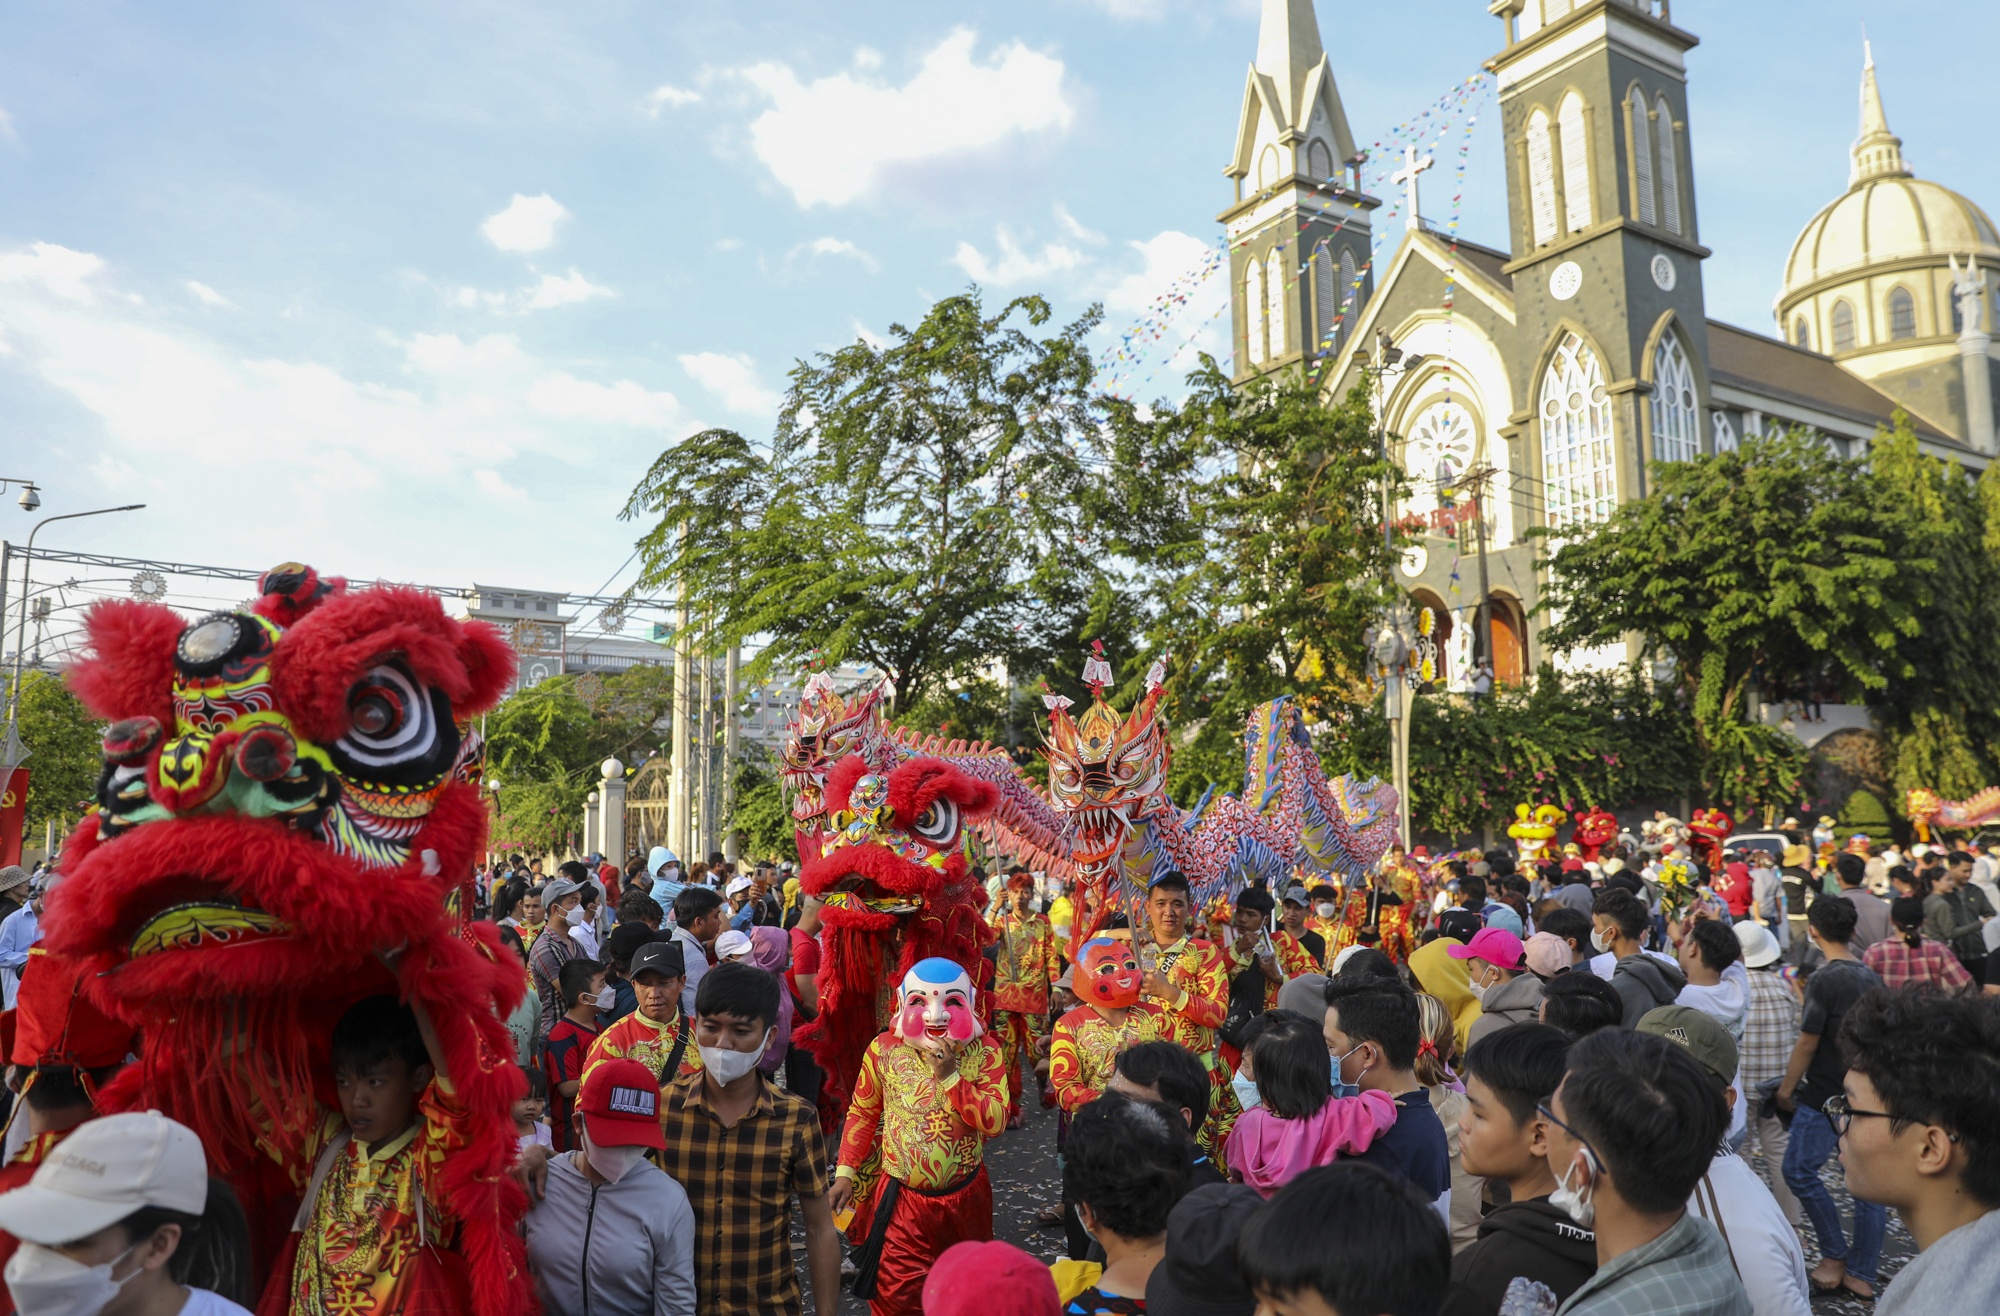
[1298, 231]
[1878, 153]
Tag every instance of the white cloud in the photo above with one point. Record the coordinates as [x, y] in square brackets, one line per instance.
[733, 380]
[728, 244]
[869, 336]
[338, 456]
[830, 246]
[566, 291]
[493, 487]
[549, 292]
[1164, 314]
[832, 141]
[527, 224]
[206, 295]
[7, 126]
[664, 97]
[1165, 257]
[1015, 264]
[1074, 227]
[1142, 9]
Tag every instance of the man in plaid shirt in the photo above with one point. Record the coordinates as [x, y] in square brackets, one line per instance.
[1769, 1035]
[742, 1148]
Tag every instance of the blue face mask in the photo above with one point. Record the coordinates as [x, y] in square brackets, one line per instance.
[1246, 1092]
[1341, 1087]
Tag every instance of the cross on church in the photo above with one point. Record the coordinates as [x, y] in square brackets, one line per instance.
[1407, 176]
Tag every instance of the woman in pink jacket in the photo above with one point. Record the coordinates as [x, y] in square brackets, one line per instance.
[1292, 1121]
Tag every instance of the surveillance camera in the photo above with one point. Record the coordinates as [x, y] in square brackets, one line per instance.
[31, 498]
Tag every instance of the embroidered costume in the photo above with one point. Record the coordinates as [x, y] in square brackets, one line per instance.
[1025, 966]
[929, 1135]
[1085, 1048]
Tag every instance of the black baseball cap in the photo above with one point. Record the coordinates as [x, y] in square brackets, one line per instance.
[626, 940]
[1460, 924]
[1198, 1275]
[661, 957]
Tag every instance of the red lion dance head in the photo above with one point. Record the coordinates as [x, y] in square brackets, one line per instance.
[891, 876]
[1594, 831]
[289, 799]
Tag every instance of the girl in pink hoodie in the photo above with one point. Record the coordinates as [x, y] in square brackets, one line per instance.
[1292, 1121]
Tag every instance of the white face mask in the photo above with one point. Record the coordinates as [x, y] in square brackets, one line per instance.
[1601, 940]
[576, 917]
[607, 999]
[1247, 1096]
[728, 1065]
[44, 1282]
[611, 1162]
[1571, 1200]
[1325, 908]
[1478, 990]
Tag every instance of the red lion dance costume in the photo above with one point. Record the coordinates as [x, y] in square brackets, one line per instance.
[289, 795]
[891, 875]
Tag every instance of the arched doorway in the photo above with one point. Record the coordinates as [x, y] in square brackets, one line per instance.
[1430, 647]
[1509, 650]
[646, 804]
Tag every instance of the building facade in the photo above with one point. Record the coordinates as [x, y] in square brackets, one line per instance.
[1555, 373]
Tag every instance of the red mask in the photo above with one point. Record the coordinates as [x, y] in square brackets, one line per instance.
[1107, 974]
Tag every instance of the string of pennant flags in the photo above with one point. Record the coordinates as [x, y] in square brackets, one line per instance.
[1134, 350]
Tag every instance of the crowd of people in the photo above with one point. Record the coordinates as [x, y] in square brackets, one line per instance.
[1466, 1084]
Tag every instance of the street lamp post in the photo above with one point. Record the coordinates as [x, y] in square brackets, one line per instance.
[11, 749]
[1391, 640]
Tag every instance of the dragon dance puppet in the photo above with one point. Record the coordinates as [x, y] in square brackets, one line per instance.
[1709, 828]
[829, 726]
[1594, 830]
[288, 807]
[1108, 776]
[1533, 828]
[931, 1092]
[1928, 809]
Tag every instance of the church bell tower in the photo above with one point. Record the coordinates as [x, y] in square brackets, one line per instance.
[1612, 339]
[1298, 228]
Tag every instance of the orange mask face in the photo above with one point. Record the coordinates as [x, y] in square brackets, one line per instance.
[1107, 974]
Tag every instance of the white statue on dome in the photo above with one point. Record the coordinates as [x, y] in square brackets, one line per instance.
[1968, 287]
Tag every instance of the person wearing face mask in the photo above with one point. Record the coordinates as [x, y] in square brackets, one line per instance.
[1372, 1032]
[656, 1034]
[1630, 1133]
[612, 1235]
[743, 1149]
[125, 1221]
[1644, 981]
[1323, 920]
[1291, 1120]
[1496, 975]
[931, 1091]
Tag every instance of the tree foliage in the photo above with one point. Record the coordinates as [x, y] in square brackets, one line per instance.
[915, 508]
[544, 746]
[758, 813]
[65, 754]
[1766, 565]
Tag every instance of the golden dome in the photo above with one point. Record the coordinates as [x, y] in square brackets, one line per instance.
[1886, 214]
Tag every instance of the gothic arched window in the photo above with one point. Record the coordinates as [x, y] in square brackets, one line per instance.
[1676, 422]
[1669, 171]
[1267, 168]
[1801, 332]
[1724, 433]
[1441, 448]
[1642, 154]
[1319, 161]
[1902, 313]
[1253, 311]
[1326, 299]
[1350, 287]
[1541, 179]
[1579, 463]
[1274, 296]
[1576, 162]
[1843, 326]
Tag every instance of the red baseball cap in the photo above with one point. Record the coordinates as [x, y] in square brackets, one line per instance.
[989, 1279]
[1496, 946]
[620, 1101]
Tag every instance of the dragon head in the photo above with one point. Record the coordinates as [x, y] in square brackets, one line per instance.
[1923, 805]
[1596, 829]
[827, 728]
[1107, 771]
[895, 841]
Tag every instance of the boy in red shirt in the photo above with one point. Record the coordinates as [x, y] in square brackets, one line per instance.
[580, 983]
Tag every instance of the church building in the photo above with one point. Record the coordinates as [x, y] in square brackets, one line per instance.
[1542, 379]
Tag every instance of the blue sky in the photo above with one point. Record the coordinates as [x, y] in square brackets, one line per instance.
[418, 290]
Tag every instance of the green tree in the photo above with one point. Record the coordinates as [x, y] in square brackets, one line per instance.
[1942, 714]
[65, 755]
[757, 811]
[1253, 516]
[544, 746]
[1767, 565]
[915, 509]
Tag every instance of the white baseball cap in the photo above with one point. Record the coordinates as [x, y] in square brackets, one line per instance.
[737, 886]
[731, 944]
[103, 1172]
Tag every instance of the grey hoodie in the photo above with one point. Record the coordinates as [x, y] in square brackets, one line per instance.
[615, 1249]
[1646, 982]
[1516, 1001]
[1959, 1272]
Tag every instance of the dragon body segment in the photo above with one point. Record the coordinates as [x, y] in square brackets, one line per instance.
[1928, 809]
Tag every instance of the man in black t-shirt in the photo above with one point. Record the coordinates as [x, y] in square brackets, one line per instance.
[1373, 1029]
[1815, 1073]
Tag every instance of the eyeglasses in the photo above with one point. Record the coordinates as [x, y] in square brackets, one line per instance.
[1542, 1108]
[1841, 1115]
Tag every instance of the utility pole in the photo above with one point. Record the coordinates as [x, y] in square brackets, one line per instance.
[1479, 479]
[679, 778]
[1392, 645]
[731, 741]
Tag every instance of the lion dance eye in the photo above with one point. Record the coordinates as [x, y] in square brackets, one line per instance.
[392, 720]
[937, 826]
